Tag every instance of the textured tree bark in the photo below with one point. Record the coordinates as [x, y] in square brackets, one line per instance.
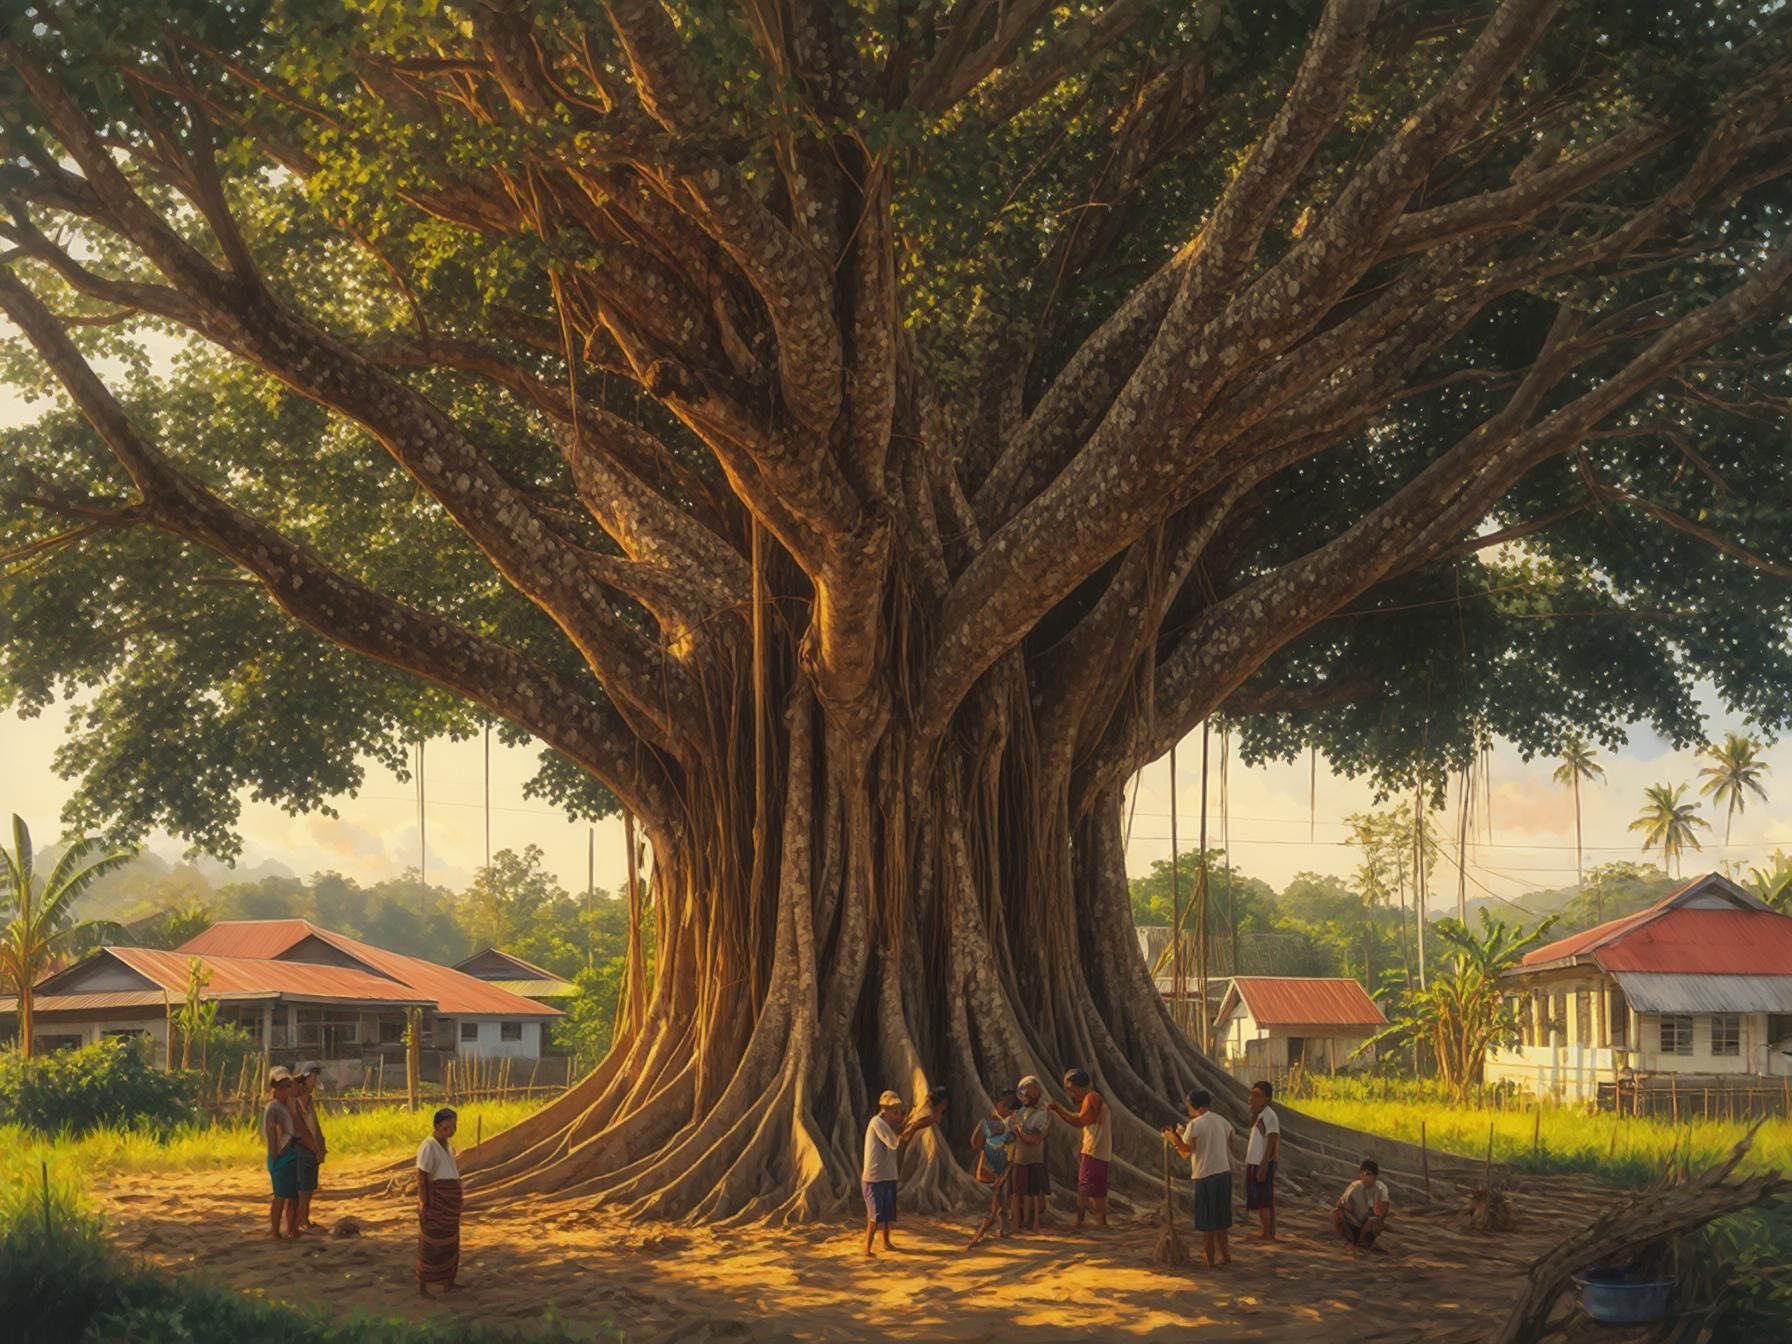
[957, 928]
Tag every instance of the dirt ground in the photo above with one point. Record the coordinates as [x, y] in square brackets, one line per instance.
[539, 1261]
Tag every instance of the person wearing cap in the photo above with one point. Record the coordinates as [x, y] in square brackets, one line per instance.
[1093, 1117]
[1029, 1180]
[309, 1149]
[878, 1175]
[439, 1198]
[992, 1143]
[1207, 1142]
[277, 1129]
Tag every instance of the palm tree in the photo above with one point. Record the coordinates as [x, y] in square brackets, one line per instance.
[1774, 884]
[1668, 824]
[1734, 773]
[1577, 763]
[39, 911]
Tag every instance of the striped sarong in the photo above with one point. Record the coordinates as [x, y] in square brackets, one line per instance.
[438, 1233]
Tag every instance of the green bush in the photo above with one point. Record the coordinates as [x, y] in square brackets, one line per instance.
[111, 1083]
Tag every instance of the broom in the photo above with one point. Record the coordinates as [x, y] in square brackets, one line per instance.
[1169, 1249]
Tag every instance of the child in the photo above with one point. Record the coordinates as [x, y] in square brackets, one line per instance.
[990, 1143]
[877, 1177]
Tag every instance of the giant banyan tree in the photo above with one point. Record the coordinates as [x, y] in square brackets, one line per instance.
[855, 438]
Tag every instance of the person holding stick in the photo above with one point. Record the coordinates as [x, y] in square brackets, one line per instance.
[990, 1145]
[1206, 1140]
[439, 1199]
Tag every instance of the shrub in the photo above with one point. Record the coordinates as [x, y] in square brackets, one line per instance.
[111, 1083]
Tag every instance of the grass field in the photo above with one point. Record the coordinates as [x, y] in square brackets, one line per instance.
[1625, 1150]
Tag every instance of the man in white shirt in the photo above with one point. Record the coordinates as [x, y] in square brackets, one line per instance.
[1260, 1155]
[1207, 1141]
[877, 1177]
[1362, 1210]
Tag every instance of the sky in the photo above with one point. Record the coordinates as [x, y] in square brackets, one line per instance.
[1266, 813]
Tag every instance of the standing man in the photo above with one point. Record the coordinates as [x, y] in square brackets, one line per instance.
[310, 1135]
[1260, 1154]
[277, 1129]
[1094, 1119]
[881, 1169]
[1029, 1181]
[1207, 1141]
[438, 1207]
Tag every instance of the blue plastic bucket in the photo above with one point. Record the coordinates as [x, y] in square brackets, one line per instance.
[1612, 1299]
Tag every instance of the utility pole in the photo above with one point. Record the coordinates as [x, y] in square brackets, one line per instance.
[1201, 904]
[488, 795]
[590, 884]
[1463, 802]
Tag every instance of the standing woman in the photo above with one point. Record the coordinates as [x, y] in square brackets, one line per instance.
[438, 1208]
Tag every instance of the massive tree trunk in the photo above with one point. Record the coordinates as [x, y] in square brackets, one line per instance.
[868, 627]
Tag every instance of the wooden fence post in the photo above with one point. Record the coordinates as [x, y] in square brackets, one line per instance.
[1537, 1132]
[413, 1055]
[1425, 1159]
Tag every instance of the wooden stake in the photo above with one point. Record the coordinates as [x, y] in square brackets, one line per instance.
[1537, 1132]
[1674, 1098]
[1425, 1159]
[44, 1167]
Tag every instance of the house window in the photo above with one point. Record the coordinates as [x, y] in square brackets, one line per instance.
[510, 1031]
[391, 1031]
[1779, 1028]
[51, 1044]
[1726, 1034]
[1676, 1035]
[469, 1031]
[1619, 1009]
[1583, 1017]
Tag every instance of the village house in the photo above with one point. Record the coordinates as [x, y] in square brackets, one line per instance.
[302, 992]
[522, 978]
[1271, 1023]
[1694, 993]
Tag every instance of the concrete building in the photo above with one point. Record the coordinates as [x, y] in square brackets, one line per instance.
[1696, 989]
[303, 992]
[1278, 1022]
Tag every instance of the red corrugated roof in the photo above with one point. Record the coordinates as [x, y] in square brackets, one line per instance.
[454, 994]
[1289, 1001]
[1742, 938]
[255, 975]
[248, 937]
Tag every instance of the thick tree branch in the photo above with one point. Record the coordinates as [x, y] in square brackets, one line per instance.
[345, 610]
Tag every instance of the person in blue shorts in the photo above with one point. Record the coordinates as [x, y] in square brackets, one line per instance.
[877, 1178]
[278, 1130]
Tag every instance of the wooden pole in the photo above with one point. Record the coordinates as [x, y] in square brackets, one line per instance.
[1201, 904]
[1537, 1132]
[1175, 897]
[488, 795]
[422, 841]
[1674, 1098]
[1425, 1159]
[44, 1168]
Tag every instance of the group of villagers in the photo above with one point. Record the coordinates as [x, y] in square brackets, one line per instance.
[1008, 1158]
[296, 1149]
[1007, 1153]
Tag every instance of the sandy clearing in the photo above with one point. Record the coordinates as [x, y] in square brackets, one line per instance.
[540, 1260]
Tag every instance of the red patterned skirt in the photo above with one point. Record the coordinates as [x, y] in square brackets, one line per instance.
[438, 1233]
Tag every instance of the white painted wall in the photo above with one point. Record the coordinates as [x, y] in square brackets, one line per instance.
[89, 1032]
[491, 1046]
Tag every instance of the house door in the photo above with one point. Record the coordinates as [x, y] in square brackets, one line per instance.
[1619, 1008]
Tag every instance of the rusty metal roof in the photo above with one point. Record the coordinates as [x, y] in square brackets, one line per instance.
[454, 994]
[1709, 926]
[1290, 1001]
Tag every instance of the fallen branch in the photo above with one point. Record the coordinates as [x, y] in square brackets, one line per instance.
[1651, 1216]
